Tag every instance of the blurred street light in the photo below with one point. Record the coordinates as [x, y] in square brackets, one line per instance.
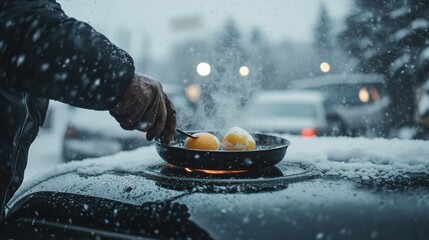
[325, 67]
[203, 69]
[193, 92]
[364, 95]
[244, 71]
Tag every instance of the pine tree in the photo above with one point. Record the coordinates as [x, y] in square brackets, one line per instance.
[391, 38]
[262, 62]
[323, 35]
[228, 53]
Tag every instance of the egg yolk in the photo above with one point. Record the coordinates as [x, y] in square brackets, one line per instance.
[237, 142]
[205, 141]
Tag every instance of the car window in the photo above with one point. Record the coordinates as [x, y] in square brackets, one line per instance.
[283, 109]
[355, 95]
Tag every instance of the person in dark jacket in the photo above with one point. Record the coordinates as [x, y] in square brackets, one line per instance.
[44, 54]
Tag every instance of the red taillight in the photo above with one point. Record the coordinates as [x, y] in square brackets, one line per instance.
[71, 132]
[308, 132]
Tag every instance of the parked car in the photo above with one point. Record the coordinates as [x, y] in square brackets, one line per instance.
[300, 112]
[55, 117]
[92, 134]
[358, 102]
[420, 129]
[135, 195]
[95, 133]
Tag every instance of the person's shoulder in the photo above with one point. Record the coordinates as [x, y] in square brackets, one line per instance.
[25, 4]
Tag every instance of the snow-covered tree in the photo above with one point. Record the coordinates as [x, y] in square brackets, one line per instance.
[323, 35]
[262, 61]
[391, 37]
[229, 53]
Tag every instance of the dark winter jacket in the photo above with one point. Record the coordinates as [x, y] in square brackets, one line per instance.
[44, 54]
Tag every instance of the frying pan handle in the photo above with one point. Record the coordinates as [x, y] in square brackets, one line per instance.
[185, 133]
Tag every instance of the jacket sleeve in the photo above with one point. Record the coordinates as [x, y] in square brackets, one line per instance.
[50, 55]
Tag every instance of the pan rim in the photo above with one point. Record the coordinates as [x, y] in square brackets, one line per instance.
[287, 144]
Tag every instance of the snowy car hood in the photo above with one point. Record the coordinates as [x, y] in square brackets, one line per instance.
[361, 159]
[356, 193]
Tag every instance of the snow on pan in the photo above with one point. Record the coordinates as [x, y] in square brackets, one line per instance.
[378, 160]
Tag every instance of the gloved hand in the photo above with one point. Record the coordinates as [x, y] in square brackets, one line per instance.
[145, 107]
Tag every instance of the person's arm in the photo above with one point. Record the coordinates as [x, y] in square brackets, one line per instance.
[47, 54]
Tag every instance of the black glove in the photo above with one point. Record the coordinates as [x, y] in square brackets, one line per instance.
[145, 107]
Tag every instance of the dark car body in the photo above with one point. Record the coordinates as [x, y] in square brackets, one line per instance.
[140, 196]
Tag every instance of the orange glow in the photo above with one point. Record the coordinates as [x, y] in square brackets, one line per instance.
[363, 95]
[215, 172]
[143, 134]
[244, 71]
[193, 92]
[325, 67]
[308, 132]
[374, 94]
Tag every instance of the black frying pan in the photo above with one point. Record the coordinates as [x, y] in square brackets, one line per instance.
[270, 151]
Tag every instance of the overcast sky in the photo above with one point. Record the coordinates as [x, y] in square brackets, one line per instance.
[150, 21]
